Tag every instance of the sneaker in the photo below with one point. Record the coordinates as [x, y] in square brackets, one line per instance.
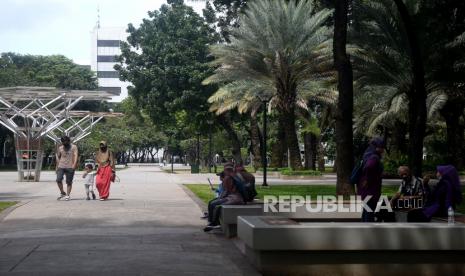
[62, 195]
[205, 216]
[67, 198]
[102, 199]
[211, 227]
[88, 198]
[93, 196]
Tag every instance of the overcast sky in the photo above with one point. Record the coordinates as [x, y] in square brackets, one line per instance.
[46, 27]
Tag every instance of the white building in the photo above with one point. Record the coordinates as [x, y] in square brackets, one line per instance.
[105, 46]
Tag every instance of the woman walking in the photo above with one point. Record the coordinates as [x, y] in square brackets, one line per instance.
[370, 182]
[106, 170]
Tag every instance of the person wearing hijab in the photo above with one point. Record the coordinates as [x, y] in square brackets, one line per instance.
[106, 170]
[371, 179]
[447, 193]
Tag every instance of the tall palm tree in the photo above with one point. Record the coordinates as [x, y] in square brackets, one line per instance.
[278, 46]
[393, 59]
[345, 104]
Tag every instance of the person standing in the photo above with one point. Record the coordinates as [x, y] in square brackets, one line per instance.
[67, 159]
[89, 177]
[371, 180]
[106, 170]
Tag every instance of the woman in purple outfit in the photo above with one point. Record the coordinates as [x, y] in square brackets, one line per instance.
[447, 193]
[371, 179]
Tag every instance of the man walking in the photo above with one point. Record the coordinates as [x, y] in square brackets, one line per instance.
[67, 159]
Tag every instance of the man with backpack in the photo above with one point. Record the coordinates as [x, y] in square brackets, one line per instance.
[232, 195]
[248, 183]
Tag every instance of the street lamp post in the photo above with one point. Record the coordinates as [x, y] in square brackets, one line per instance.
[265, 99]
[198, 149]
[264, 159]
[210, 123]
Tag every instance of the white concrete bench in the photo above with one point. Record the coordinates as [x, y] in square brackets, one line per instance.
[278, 245]
[230, 214]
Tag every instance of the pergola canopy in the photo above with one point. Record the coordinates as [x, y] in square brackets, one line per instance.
[33, 113]
[24, 93]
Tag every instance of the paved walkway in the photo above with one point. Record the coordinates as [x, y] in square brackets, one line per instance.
[149, 227]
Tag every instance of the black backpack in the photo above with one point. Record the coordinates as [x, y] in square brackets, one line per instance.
[246, 189]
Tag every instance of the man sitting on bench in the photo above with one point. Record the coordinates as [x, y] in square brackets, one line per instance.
[229, 196]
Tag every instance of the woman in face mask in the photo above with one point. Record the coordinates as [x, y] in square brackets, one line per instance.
[106, 170]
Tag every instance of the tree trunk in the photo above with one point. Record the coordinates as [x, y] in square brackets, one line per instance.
[345, 104]
[279, 147]
[417, 97]
[399, 140]
[452, 112]
[255, 139]
[288, 117]
[310, 153]
[225, 122]
[321, 157]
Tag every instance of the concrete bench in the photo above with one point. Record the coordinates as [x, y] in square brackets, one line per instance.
[280, 246]
[230, 214]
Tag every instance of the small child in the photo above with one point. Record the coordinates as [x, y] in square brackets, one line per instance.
[89, 176]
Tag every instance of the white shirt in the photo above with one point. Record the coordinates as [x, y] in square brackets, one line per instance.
[89, 178]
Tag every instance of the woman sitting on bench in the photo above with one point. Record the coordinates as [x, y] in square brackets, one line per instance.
[447, 193]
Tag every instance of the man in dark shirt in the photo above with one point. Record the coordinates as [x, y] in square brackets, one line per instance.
[410, 186]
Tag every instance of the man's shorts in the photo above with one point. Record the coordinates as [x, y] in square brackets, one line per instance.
[69, 173]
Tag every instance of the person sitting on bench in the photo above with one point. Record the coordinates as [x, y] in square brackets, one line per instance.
[410, 186]
[447, 193]
[229, 196]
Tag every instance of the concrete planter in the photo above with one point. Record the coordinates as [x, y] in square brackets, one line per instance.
[297, 177]
[268, 174]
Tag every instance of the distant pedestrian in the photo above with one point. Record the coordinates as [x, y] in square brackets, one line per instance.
[106, 170]
[89, 179]
[67, 160]
[371, 179]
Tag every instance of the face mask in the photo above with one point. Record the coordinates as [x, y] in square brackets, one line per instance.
[406, 178]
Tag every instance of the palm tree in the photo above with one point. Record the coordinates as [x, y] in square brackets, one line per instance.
[345, 104]
[278, 46]
[390, 60]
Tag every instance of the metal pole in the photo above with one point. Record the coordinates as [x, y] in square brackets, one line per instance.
[265, 162]
[210, 150]
[198, 150]
[172, 165]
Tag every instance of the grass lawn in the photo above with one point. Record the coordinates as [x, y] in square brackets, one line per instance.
[205, 194]
[6, 204]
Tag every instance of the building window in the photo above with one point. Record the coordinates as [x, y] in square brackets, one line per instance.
[107, 74]
[108, 43]
[106, 58]
[111, 90]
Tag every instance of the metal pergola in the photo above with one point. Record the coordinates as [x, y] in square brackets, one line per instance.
[33, 113]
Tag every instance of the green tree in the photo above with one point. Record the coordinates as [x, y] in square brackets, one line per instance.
[277, 48]
[166, 60]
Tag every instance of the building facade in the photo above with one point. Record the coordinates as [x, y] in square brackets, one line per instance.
[105, 47]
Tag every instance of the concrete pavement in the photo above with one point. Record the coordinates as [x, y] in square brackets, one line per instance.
[149, 226]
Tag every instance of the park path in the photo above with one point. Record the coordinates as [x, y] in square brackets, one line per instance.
[149, 227]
